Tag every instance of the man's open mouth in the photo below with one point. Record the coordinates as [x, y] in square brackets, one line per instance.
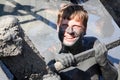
[70, 38]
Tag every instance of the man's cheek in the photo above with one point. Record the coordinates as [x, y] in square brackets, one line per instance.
[81, 33]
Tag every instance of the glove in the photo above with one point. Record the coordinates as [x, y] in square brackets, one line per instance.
[51, 77]
[67, 59]
[100, 53]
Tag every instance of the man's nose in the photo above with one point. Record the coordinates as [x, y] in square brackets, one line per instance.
[69, 30]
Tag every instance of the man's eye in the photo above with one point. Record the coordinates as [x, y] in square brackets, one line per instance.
[77, 27]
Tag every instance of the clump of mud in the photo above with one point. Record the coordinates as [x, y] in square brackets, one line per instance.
[10, 36]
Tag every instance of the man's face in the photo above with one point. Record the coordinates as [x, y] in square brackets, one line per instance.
[71, 32]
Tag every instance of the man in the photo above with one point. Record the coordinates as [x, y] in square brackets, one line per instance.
[71, 27]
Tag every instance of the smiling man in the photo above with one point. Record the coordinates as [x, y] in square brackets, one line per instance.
[71, 27]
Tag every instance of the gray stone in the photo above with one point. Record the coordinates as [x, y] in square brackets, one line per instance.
[10, 36]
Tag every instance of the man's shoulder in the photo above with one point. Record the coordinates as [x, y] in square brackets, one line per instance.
[89, 38]
[88, 42]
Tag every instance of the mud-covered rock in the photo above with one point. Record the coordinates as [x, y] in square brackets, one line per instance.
[10, 36]
[18, 52]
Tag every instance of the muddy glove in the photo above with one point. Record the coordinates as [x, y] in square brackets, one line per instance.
[51, 77]
[100, 53]
[67, 59]
[108, 70]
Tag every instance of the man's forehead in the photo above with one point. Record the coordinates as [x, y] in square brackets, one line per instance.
[74, 19]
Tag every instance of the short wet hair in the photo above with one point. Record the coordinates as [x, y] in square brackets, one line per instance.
[71, 11]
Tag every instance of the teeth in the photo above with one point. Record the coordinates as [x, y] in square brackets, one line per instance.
[70, 37]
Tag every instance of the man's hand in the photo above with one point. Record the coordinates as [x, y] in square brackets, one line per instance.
[100, 53]
[67, 59]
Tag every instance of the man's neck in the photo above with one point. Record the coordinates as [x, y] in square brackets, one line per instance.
[73, 49]
[76, 49]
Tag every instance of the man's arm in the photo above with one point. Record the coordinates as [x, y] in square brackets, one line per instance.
[108, 70]
[87, 54]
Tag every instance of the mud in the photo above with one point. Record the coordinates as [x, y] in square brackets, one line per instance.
[10, 36]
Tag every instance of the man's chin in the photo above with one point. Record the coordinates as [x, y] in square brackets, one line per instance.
[68, 44]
